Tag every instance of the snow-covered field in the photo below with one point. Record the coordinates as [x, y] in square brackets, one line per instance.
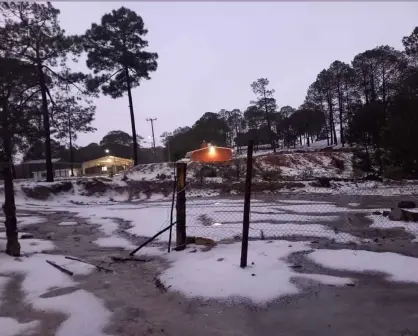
[216, 219]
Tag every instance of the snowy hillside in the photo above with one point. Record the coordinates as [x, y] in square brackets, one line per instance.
[319, 145]
[267, 167]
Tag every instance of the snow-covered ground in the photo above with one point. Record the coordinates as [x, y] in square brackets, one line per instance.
[280, 230]
[85, 314]
[384, 223]
[216, 219]
[216, 273]
[270, 275]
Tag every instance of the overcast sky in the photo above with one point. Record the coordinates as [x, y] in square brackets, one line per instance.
[210, 53]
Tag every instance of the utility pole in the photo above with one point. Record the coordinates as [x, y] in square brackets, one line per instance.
[151, 120]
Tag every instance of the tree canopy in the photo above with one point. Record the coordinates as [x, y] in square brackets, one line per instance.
[116, 54]
[370, 104]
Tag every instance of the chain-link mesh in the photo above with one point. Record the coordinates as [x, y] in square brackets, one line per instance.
[359, 213]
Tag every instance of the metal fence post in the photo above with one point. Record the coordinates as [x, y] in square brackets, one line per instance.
[247, 201]
[181, 206]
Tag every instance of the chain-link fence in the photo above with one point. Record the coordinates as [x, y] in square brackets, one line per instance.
[280, 217]
[357, 216]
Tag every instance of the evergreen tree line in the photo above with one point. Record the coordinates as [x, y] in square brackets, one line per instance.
[42, 100]
[370, 104]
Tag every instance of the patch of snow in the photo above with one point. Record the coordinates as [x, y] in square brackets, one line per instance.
[213, 179]
[302, 202]
[397, 267]
[11, 327]
[107, 225]
[26, 220]
[86, 313]
[315, 208]
[151, 172]
[216, 273]
[257, 230]
[202, 193]
[114, 242]
[381, 222]
[40, 276]
[29, 245]
[67, 223]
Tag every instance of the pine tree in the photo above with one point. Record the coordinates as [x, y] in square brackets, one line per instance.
[116, 54]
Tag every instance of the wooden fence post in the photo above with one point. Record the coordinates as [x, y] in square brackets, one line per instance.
[247, 202]
[181, 206]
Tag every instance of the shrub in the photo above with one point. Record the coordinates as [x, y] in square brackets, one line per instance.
[271, 175]
[361, 161]
[307, 173]
[207, 171]
[161, 176]
[42, 192]
[337, 163]
[394, 173]
[229, 173]
[357, 173]
[322, 182]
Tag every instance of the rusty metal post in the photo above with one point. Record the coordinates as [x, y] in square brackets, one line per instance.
[181, 206]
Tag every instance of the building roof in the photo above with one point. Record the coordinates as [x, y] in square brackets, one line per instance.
[39, 161]
[207, 148]
[106, 160]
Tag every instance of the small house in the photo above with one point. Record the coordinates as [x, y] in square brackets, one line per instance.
[36, 169]
[106, 165]
[209, 153]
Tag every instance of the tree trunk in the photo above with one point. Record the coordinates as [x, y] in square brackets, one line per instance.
[71, 147]
[335, 133]
[372, 84]
[327, 130]
[331, 118]
[46, 125]
[9, 208]
[384, 87]
[368, 163]
[131, 109]
[341, 112]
